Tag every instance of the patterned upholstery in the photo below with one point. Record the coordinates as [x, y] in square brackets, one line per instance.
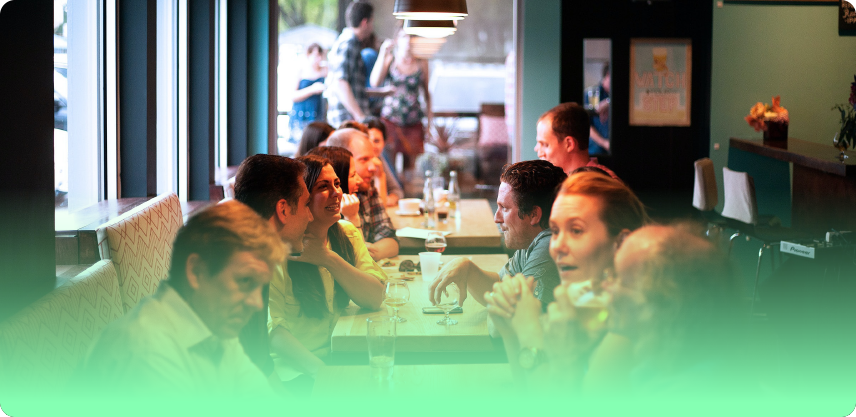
[140, 245]
[42, 345]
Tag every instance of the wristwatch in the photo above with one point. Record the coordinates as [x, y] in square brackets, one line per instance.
[531, 357]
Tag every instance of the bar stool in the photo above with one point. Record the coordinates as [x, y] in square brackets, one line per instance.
[741, 206]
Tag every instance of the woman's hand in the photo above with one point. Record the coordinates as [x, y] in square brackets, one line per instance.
[386, 48]
[502, 302]
[350, 208]
[565, 339]
[525, 321]
[318, 87]
[315, 251]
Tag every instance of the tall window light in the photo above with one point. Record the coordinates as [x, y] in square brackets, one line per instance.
[78, 133]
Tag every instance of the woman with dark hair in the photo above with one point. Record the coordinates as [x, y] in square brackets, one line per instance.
[402, 111]
[335, 267]
[314, 136]
[345, 168]
[308, 105]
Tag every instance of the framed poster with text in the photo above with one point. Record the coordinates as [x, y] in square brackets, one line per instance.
[660, 82]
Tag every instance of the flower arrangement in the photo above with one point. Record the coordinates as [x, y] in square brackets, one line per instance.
[846, 137]
[762, 114]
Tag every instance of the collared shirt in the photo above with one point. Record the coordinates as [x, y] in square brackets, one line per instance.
[535, 261]
[313, 333]
[346, 63]
[376, 223]
[593, 163]
[162, 347]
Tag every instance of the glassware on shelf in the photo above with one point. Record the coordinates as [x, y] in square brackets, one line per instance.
[841, 145]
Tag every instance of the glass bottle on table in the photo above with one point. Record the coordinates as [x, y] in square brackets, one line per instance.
[454, 195]
[429, 206]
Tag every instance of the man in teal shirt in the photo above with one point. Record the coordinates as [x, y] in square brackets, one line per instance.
[524, 202]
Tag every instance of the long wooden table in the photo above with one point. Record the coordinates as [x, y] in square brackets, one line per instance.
[473, 232]
[421, 333]
[335, 382]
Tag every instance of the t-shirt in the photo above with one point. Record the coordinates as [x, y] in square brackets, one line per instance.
[535, 261]
[313, 333]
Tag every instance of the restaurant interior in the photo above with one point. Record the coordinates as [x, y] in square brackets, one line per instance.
[180, 93]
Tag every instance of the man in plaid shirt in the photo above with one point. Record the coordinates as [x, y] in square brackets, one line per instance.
[376, 225]
[347, 71]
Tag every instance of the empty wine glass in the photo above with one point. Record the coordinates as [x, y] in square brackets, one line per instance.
[397, 295]
[448, 301]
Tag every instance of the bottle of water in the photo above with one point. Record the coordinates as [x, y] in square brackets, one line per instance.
[454, 194]
[428, 201]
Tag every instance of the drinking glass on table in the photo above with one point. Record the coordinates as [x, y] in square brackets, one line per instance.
[380, 337]
[435, 242]
[448, 301]
[397, 295]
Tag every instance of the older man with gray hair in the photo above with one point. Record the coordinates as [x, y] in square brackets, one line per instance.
[378, 231]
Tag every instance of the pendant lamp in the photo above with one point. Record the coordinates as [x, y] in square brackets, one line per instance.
[430, 28]
[430, 9]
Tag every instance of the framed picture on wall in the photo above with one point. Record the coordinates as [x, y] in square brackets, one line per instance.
[847, 16]
[660, 82]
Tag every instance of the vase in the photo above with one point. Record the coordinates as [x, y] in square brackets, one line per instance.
[776, 134]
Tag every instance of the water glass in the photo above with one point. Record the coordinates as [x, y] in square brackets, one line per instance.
[430, 263]
[380, 336]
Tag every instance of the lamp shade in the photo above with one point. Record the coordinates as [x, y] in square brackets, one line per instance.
[430, 9]
[430, 28]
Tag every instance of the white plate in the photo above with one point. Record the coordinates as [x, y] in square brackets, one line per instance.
[408, 213]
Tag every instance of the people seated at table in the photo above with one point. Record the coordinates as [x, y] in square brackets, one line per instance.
[563, 138]
[386, 180]
[378, 231]
[345, 167]
[524, 203]
[674, 325]
[273, 186]
[183, 341]
[592, 213]
[314, 135]
[383, 179]
[307, 298]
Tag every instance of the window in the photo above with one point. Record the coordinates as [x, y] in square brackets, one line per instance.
[77, 104]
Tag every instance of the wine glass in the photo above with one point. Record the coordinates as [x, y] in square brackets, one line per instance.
[841, 145]
[397, 295]
[435, 242]
[448, 301]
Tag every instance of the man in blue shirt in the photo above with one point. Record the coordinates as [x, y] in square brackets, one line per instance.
[526, 193]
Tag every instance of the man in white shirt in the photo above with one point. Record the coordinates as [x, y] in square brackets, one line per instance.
[183, 340]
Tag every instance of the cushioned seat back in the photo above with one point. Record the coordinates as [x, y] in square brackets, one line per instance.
[740, 203]
[140, 245]
[41, 345]
[705, 194]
